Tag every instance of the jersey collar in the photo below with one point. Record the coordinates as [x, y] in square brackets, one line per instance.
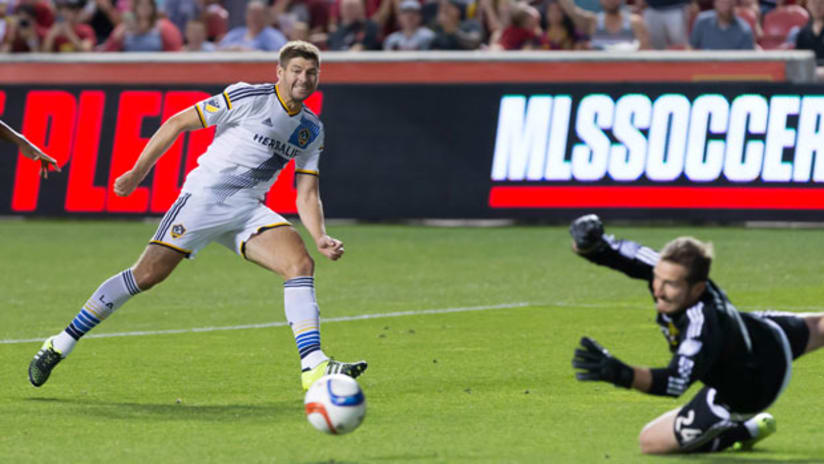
[283, 104]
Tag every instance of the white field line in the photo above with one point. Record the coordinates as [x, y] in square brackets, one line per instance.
[401, 314]
[281, 324]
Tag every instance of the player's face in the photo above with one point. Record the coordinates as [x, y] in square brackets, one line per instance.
[299, 78]
[671, 289]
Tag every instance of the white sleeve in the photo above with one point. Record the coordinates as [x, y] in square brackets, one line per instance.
[307, 162]
[222, 109]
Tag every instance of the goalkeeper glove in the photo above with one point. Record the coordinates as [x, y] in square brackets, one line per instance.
[587, 233]
[596, 363]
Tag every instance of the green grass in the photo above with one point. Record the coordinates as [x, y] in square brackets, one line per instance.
[465, 387]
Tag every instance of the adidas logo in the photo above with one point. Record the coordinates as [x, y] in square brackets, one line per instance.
[267, 122]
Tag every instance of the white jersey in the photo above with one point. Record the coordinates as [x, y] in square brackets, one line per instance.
[256, 136]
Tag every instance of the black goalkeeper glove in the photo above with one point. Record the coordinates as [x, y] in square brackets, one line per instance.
[596, 363]
[587, 233]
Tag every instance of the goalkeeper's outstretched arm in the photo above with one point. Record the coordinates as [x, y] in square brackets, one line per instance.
[590, 241]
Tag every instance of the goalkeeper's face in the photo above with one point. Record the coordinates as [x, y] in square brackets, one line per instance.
[671, 289]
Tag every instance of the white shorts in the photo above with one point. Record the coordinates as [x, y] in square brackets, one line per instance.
[194, 221]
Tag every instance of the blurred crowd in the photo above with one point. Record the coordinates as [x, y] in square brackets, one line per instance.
[237, 25]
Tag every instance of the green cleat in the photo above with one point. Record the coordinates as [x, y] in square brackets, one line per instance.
[331, 366]
[766, 427]
[44, 361]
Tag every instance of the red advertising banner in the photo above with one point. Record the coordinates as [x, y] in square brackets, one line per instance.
[68, 125]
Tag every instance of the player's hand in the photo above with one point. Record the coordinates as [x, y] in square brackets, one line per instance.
[596, 363]
[587, 234]
[127, 183]
[32, 152]
[330, 247]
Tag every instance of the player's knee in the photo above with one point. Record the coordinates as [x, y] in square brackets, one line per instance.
[148, 278]
[303, 266]
[648, 442]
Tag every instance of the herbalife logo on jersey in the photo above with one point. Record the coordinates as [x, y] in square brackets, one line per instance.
[281, 148]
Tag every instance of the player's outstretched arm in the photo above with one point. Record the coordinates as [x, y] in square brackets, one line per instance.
[594, 362]
[157, 146]
[590, 242]
[310, 210]
[28, 149]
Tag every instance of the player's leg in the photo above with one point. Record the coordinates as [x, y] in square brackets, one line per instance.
[657, 436]
[701, 426]
[815, 326]
[804, 331]
[281, 250]
[169, 245]
[154, 265]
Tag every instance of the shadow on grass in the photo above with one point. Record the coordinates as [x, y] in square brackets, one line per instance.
[750, 457]
[247, 413]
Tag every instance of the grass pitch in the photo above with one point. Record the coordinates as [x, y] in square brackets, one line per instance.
[486, 385]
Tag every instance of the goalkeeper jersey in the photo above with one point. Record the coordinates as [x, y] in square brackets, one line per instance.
[738, 354]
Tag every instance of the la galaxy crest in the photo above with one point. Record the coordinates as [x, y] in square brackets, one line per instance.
[213, 105]
[303, 137]
[305, 133]
[178, 230]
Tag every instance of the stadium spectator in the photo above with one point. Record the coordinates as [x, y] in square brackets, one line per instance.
[492, 14]
[103, 16]
[306, 17]
[23, 34]
[43, 13]
[144, 30]
[180, 12]
[5, 18]
[667, 23]
[256, 34]
[811, 36]
[196, 40]
[28, 149]
[744, 360]
[524, 29]
[355, 31]
[237, 12]
[67, 34]
[411, 36]
[560, 33]
[453, 30]
[721, 29]
[614, 28]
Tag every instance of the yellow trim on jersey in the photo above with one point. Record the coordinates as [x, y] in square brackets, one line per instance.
[259, 230]
[228, 101]
[176, 248]
[306, 171]
[200, 115]
[283, 105]
[272, 226]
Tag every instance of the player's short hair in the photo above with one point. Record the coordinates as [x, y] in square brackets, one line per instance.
[298, 48]
[691, 253]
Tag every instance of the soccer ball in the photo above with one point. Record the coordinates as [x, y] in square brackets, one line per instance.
[335, 404]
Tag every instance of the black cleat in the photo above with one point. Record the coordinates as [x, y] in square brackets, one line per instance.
[44, 361]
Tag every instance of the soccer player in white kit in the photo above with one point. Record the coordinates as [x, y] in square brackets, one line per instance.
[260, 128]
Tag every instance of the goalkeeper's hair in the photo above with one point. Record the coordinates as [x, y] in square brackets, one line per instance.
[298, 48]
[691, 253]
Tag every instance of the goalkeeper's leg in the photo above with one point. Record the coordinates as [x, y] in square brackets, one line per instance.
[701, 426]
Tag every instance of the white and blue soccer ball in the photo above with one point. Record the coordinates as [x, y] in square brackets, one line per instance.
[335, 404]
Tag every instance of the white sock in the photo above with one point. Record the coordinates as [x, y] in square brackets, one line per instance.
[109, 296]
[752, 427]
[302, 312]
